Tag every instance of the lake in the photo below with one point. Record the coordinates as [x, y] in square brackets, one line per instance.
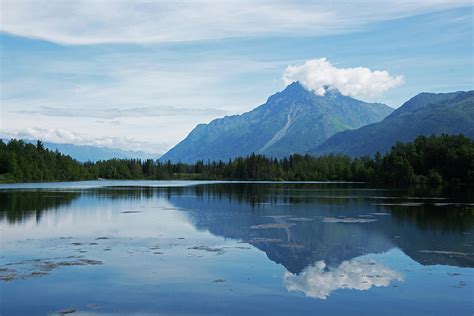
[253, 248]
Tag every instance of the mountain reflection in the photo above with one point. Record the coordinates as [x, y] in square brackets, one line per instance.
[299, 224]
[313, 230]
[319, 280]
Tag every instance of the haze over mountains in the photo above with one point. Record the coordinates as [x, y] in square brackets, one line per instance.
[85, 153]
[292, 121]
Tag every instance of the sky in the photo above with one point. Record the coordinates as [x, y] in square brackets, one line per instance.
[140, 75]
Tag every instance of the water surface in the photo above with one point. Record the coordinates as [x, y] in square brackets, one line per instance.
[178, 247]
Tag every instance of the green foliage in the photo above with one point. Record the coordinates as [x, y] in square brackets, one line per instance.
[434, 160]
[434, 177]
[24, 162]
[425, 114]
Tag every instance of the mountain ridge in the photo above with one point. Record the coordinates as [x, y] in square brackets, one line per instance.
[290, 121]
[423, 115]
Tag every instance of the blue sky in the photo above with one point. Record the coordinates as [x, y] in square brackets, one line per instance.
[140, 75]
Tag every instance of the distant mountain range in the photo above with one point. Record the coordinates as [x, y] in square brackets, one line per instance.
[299, 121]
[85, 153]
[424, 114]
[292, 121]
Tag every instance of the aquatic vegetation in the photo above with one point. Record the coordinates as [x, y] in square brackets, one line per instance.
[347, 220]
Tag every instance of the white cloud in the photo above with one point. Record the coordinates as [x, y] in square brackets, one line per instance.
[112, 112]
[319, 280]
[63, 136]
[132, 96]
[140, 21]
[319, 75]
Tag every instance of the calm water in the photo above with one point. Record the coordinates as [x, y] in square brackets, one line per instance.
[149, 247]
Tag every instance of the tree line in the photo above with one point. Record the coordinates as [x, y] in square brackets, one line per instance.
[433, 159]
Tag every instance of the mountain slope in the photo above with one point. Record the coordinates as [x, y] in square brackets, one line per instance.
[291, 121]
[424, 114]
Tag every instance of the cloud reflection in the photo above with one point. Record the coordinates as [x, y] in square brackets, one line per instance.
[319, 280]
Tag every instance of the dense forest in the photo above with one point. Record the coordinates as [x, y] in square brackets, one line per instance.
[434, 159]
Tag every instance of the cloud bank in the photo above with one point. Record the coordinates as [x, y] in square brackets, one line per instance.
[63, 136]
[319, 280]
[82, 22]
[113, 112]
[319, 75]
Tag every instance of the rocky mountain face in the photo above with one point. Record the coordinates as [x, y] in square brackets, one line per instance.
[294, 120]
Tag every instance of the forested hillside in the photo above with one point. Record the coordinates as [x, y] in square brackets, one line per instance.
[425, 114]
[434, 159]
[21, 161]
[292, 121]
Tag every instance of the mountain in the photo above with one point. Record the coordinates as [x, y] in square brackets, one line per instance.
[292, 121]
[424, 114]
[92, 153]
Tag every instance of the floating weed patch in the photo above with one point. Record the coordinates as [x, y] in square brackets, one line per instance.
[27, 269]
[264, 240]
[347, 220]
[217, 251]
[300, 219]
[271, 226]
[448, 253]
[293, 246]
